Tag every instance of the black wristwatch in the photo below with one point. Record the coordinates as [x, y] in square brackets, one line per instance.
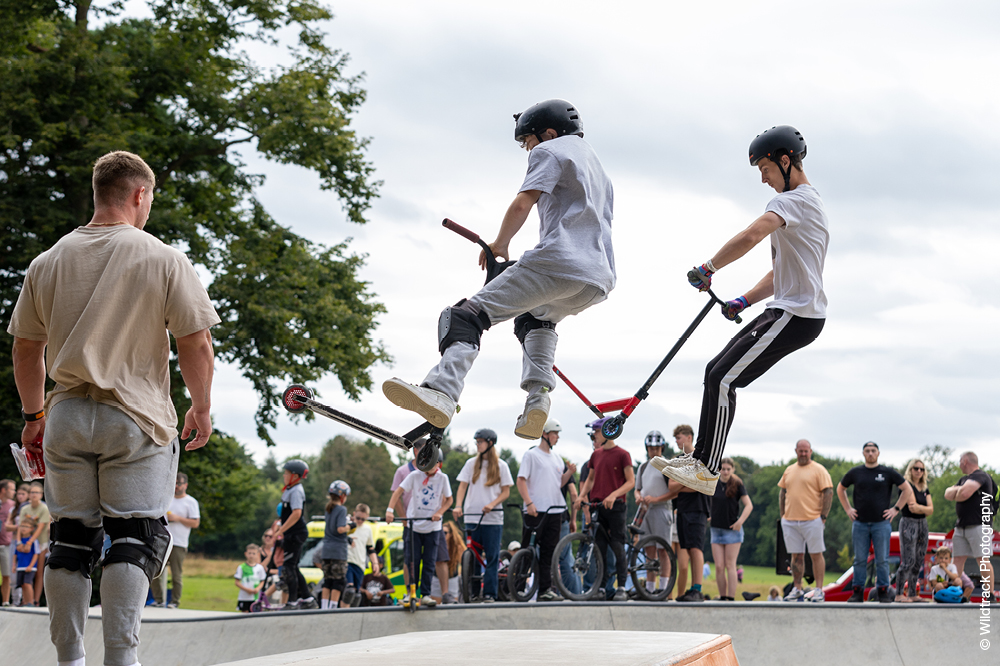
[31, 418]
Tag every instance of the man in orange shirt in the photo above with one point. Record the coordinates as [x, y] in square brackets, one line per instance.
[804, 503]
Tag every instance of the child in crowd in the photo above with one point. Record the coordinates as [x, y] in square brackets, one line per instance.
[944, 574]
[430, 497]
[361, 548]
[376, 588]
[249, 578]
[334, 549]
[774, 594]
[27, 563]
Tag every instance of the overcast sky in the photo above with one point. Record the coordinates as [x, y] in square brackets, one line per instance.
[895, 102]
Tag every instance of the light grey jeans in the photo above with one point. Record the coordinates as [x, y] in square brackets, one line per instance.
[515, 291]
[99, 463]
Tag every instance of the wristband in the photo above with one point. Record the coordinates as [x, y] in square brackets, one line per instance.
[390, 510]
[530, 504]
[710, 266]
[31, 418]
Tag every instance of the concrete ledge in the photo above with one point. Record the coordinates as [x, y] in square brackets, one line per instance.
[831, 633]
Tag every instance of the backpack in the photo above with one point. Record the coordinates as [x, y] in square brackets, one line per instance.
[949, 595]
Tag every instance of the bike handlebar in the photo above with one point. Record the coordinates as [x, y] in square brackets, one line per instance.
[460, 230]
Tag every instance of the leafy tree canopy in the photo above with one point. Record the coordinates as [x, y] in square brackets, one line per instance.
[78, 79]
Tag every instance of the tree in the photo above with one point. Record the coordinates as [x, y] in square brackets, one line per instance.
[180, 90]
[366, 466]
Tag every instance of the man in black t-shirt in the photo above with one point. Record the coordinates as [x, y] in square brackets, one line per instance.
[973, 534]
[872, 516]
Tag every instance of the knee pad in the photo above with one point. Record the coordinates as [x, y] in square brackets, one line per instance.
[524, 324]
[144, 542]
[348, 595]
[75, 547]
[458, 325]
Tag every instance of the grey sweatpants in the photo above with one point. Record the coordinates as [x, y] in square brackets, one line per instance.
[515, 291]
[99, 463]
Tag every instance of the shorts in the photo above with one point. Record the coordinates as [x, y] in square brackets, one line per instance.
[334, 569]
[802, 534]
[244, 606]
[442, 553]
[659, 522]
[972, 541]
[725, 536]
[691, 530]
[5, 559]
[25, 578]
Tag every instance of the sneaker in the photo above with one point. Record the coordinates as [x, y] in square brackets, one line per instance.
[433, 405]
[173, 605]
[448, 598]
[488, 600]
[692, 595]
[883, 595]
[405, 601]
[797, 594]
[857, 596]
[308, 604]
[550, 594]
[689, 472]
[817, 596]
[536, 413]
[428, 601]
[620, 595]
[157, 604]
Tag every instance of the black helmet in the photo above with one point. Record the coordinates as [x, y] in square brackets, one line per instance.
[297, 467]
[486, 433]
[556, 114]
[775, 142]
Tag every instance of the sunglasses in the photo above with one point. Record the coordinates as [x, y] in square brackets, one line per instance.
[918, 469]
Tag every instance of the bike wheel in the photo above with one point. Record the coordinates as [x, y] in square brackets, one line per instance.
[640, 565]
[503, 593]
[522, 575]
[471, 587]
[586, 561]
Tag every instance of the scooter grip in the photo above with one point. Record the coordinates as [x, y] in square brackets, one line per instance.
[460, 230]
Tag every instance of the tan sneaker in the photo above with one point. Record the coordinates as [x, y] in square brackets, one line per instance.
[531, 423]
[433, 405]
[687, 471]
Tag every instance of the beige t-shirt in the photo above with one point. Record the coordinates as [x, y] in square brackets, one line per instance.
[103, 298]
[804, 486]
[41, 515]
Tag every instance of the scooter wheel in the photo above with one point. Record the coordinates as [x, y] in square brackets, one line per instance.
[613, 427]
[428, 456]
[289, 401]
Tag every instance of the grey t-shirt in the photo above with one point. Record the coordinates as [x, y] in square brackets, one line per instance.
[291, 499]
[575, 209]
[335, 544]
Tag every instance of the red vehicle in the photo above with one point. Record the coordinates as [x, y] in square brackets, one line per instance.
[841, 589]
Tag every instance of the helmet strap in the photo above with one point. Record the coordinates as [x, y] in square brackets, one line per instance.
[786, 174]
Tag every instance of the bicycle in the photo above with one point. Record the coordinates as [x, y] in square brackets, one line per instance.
[586, 555]
[474, 565]
[522, 574]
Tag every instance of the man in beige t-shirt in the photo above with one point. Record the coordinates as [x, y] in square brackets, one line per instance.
[94, 311]
[804, 503]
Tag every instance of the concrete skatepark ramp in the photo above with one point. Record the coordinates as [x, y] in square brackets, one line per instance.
[762, 633]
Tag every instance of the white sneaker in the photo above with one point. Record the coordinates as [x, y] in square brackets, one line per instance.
[536, 413]
[689, 472]
[795, 595]
[817, 596]
[428, 601]
[433, 405]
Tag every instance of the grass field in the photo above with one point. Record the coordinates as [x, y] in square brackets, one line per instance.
[208, 583]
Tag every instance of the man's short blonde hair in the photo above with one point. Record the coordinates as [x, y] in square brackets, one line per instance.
[683, 429]
[117, 175]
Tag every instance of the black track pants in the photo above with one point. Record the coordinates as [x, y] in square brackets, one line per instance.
[753, 351]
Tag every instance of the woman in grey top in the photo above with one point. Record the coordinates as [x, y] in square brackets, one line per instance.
[650, 488]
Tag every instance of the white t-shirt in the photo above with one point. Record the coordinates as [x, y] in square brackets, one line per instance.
[185, 507]
[575, 209]
[652, 482]
[251, 578]
[426, 499]
[543, 473]
[800, 252]
[358, 542]
[938, 574]
[479, 494]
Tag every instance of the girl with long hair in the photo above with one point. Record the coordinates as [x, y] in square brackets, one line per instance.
[484, 485]
[727, 527]
[913, 532]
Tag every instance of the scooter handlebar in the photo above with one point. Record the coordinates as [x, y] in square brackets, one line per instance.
[460, 230]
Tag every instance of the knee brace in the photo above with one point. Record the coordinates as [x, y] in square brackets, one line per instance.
[458, 325]
[524, 324]
[348, 596]
[75, 547]
[144, 542]
[334, 584]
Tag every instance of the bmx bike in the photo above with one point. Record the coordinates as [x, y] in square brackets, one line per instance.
[473, 567]
[522, 574]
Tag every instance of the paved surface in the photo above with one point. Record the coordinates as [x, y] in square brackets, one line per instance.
[525, 648]
[832, 633]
